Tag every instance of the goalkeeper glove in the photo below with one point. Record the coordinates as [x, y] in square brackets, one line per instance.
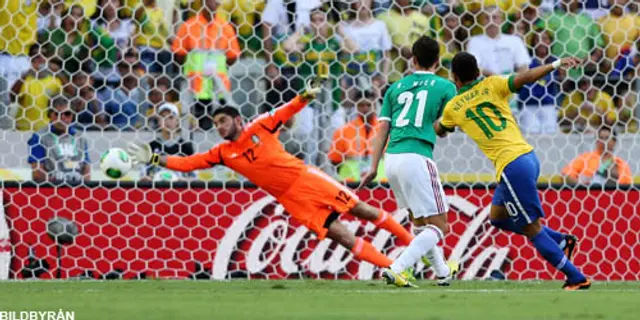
[141, 153]
[312, 88]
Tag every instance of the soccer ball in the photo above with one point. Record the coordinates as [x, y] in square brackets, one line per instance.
[115, 163]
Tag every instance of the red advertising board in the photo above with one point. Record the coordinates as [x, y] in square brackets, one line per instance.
[242, 232]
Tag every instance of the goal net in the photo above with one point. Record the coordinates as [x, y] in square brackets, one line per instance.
[78, 78]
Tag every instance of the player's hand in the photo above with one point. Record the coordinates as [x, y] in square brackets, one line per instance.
[367, 178]
[140, 153]
[312, 88]
[570, 62]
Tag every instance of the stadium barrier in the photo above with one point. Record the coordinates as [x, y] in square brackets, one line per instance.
[220, 231]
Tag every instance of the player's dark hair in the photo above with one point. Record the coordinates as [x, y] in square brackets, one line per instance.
[426, 51]
[230, 111]
[465, 66]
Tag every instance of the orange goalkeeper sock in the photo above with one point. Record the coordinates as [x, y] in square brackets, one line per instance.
[363, 250]
[386, 221]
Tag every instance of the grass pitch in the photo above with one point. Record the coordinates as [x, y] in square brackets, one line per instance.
[308, 299]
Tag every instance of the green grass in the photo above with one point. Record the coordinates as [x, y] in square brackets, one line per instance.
[324, 300]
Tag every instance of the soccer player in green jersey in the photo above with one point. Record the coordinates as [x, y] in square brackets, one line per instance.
[481, 110]
[410, 107]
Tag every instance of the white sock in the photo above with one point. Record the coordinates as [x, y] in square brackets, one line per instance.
[421, 244]
[436, 257]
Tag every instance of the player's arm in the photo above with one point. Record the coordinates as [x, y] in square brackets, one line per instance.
[378, 144]
[141, 153]
[446, 123]
[445, 115]
[441, 130]
[380, 140]
[535, 74]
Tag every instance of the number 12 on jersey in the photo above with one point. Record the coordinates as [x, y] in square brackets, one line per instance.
[407, 98]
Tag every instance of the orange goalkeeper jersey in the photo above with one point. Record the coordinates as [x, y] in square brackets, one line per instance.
[257, 154]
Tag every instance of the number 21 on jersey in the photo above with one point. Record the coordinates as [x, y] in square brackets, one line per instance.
[407, 98]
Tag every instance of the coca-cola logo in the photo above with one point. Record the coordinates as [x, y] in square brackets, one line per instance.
[474, 247]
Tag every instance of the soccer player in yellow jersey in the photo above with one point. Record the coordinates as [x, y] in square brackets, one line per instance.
[481, 110]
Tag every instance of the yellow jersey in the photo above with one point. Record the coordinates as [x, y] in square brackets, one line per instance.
[404, 31]
[619, 33]
[34, 101]
[88, 6]
[481, 109]
[18, 25]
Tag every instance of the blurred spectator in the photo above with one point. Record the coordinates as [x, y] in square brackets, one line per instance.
[109, 38]
[586, 109]
[627, 66]
[315, 50]
[18, 28]
[50, 15]
[405, 24]
[159, 93]
[152, 36]
[626, 108]
[343, 114]
[88, 6]
[452, 39]
[79, 80]
[120, 28]
[539, 99]
[351, 147]
[58, 152]
[498, 53]
[88, 110]
[245, 16]
[601, 166]
[373, 44]
[123, 104]
[206, 45]
[33, 92]
[281, 18]
[574, 32]
[523, 22]
[69, 42]
[168, 142]
[619, 29]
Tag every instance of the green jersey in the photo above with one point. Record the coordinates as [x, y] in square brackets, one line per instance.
[411, 106]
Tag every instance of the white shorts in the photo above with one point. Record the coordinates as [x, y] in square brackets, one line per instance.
[415, 183]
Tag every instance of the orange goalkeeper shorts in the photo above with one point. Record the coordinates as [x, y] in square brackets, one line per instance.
[314, 196]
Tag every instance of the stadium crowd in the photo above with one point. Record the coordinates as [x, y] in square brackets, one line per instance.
[133, 65]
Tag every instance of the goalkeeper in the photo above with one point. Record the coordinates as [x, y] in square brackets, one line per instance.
[308, 194]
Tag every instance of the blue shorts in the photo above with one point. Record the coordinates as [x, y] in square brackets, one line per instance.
[518, 191]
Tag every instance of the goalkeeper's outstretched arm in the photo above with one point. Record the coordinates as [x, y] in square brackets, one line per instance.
[535, 74]
[142, 153]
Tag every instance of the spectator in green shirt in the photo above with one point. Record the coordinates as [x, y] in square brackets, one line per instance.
[68, 42]
[76, 40]
[315, 50]
[575, 32]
